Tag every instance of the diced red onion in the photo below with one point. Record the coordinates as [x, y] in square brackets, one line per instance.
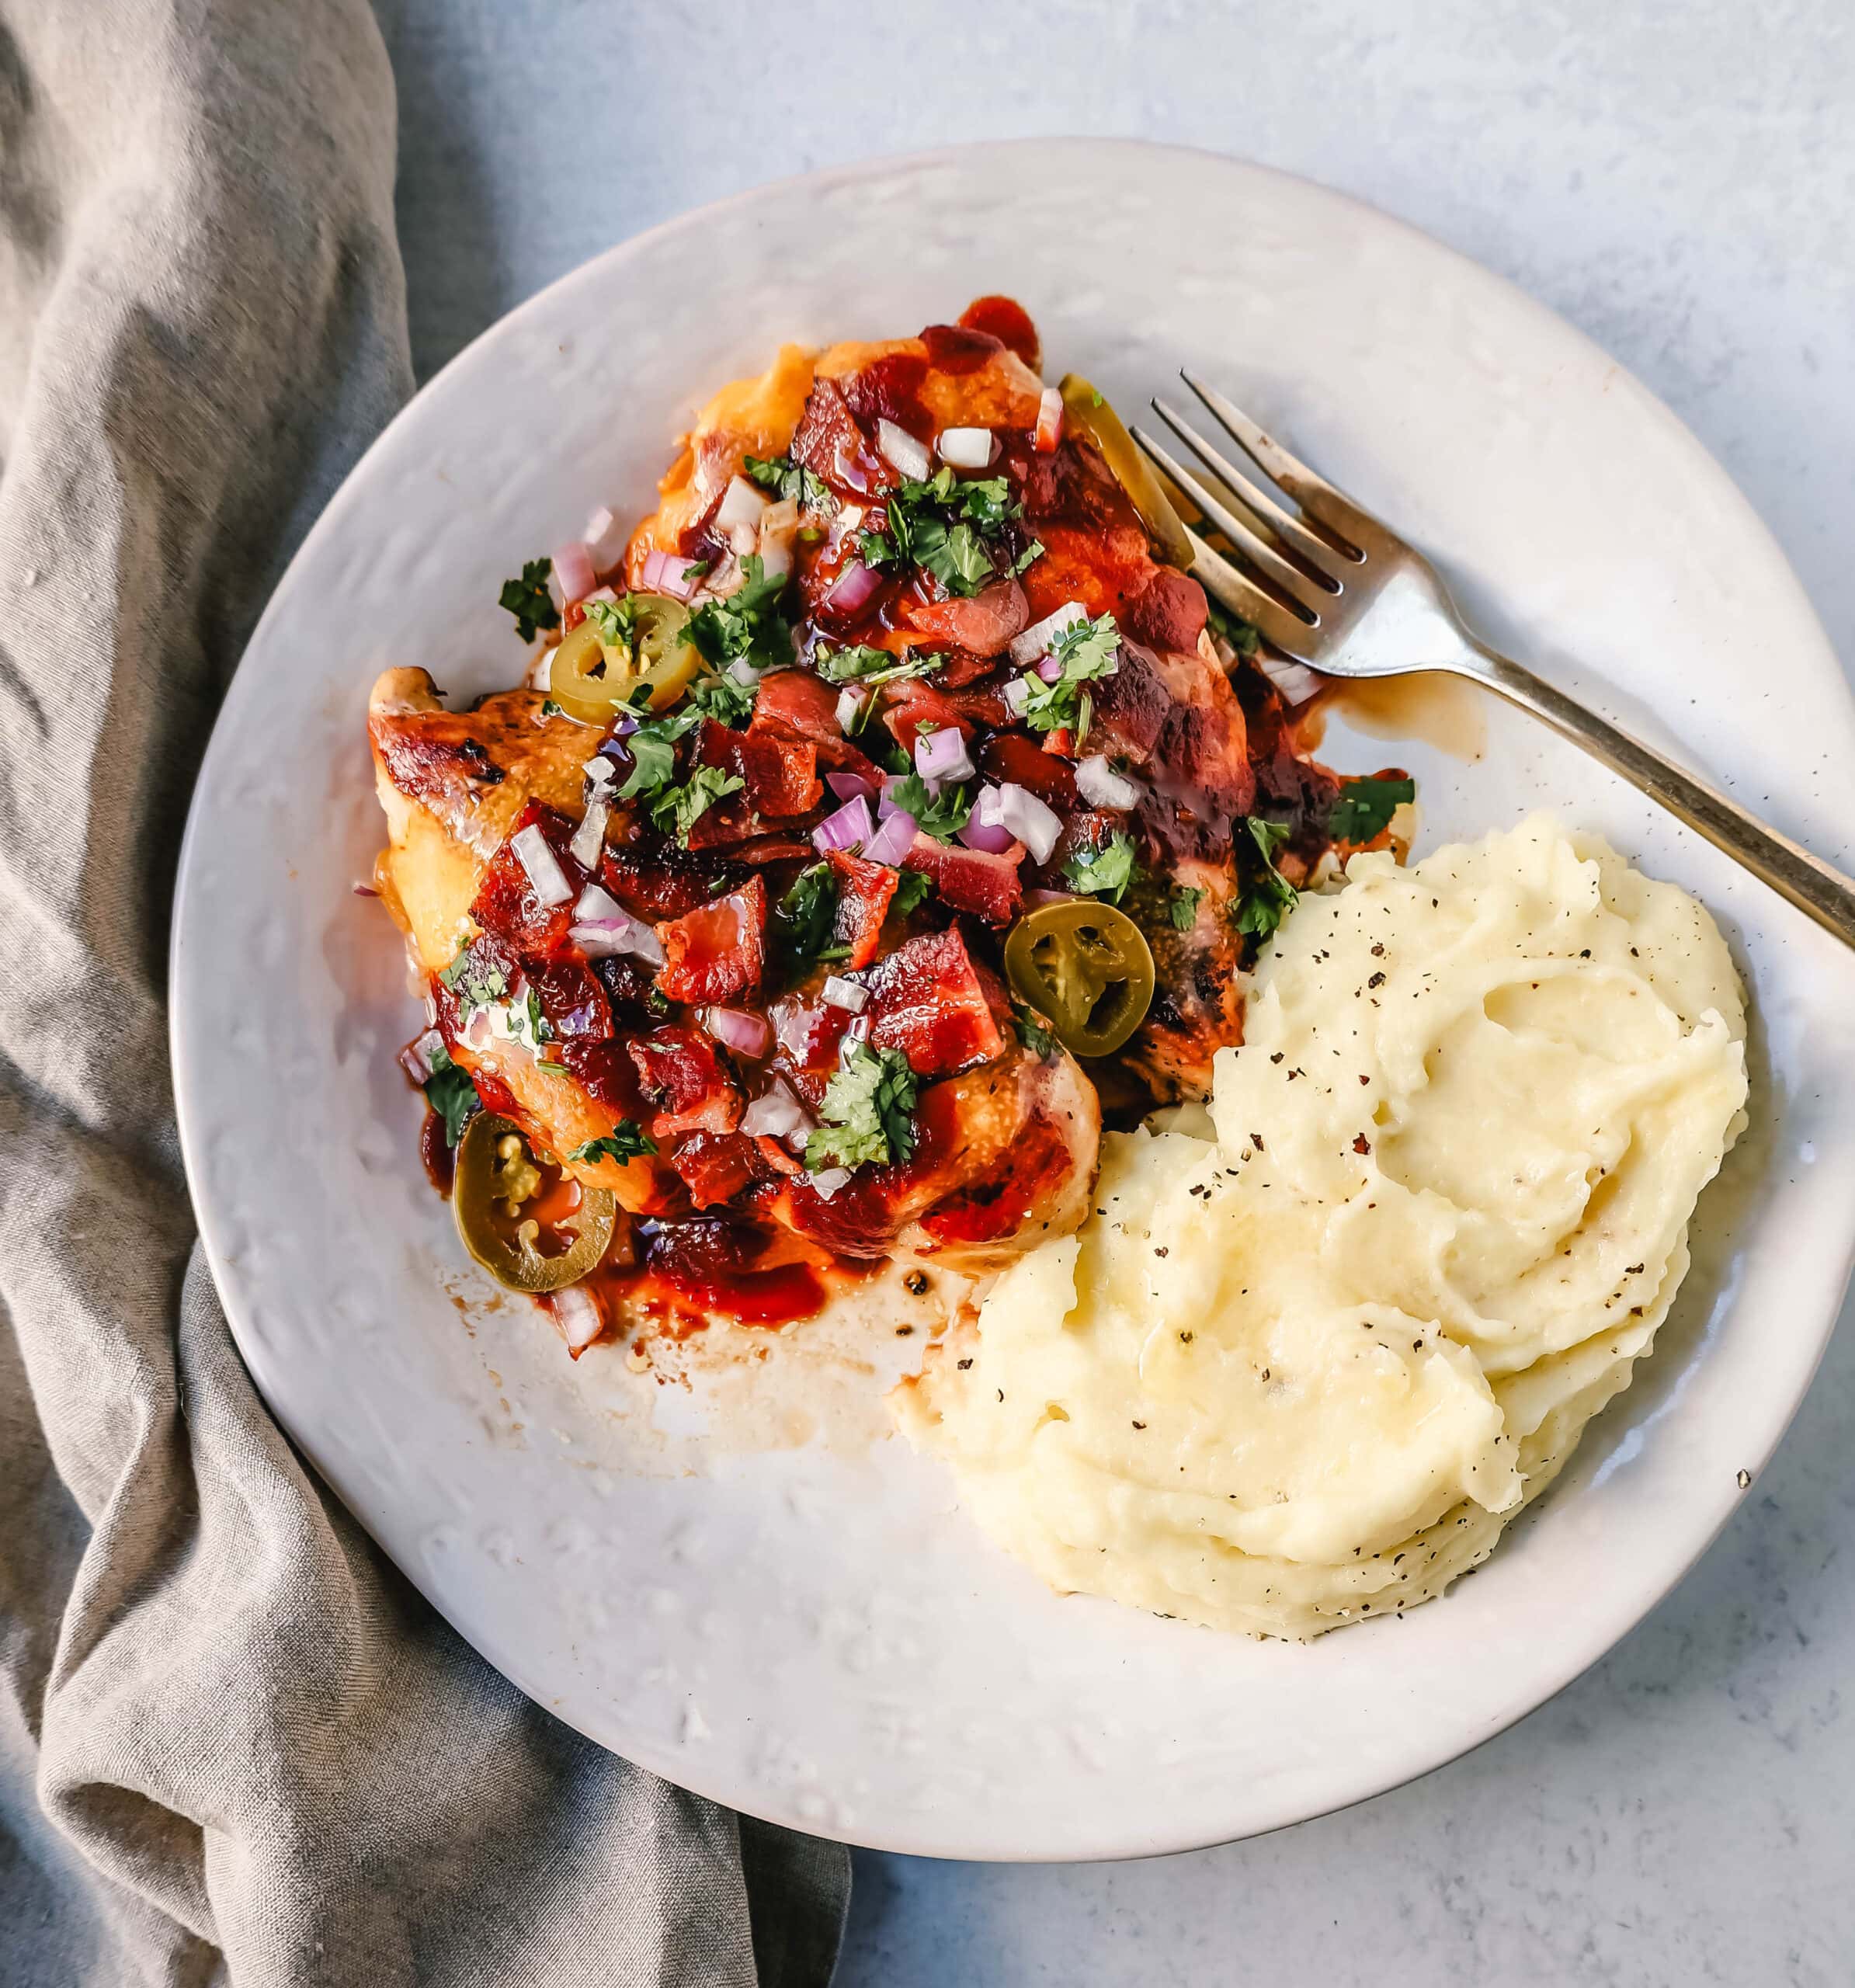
[942, 755]
[668, 572]
[1295, 680]
[573, 568]
[576, 1318]
[903, 451]
[1030, 822]
[893, 838]
[1049, 430]
[850, 707]
[741, 504]
[795, 1025]
[1050, 669]
[543, 867]
[1017, 693]
[831, 1181]
[605, 538]
[988, 837]
[844, 828]
[966, 448]
[776, 1114]
[363, 890]
[851, 995]
[738, 1029]
[1027, 647]
[589, 837]
[856, 1031]
[602, 928]
[847, 786]
[415, 1059]
[853, 588]
[1102, 786]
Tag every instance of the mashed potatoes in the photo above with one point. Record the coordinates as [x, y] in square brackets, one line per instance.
[1304, 1361]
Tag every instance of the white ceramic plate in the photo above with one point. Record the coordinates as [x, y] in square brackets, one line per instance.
[810, 1631]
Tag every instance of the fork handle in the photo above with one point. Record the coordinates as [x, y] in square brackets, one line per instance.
[1817, 890]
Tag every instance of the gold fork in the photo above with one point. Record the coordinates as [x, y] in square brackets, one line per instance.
[1331, 588]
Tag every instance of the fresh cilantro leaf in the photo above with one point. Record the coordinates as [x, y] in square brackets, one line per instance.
[1366, 806]
[864, 1112]
[804, 917]
[627, 1140]
[528, 599]
[1084, 651]
[1268, 896]
[526, 1024]
[652, 748]
[723, 699]
[1105, 872]
[451, 1094]
[1181, 907]
[943, 525]
[748, 626]
[1243, 636]
[616, 622]
[855, 662]
[1034, 550]
[957, 558]
[678, 809]
[781, 477]
[942, 815]
[877, 549]
[551, 709]
[912, 889]
[1032, 1033]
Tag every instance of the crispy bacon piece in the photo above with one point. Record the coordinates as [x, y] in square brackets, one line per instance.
[793, 705]
[863, 892]
[831, 445]
[1018, 758]
[1168, 613]
[780, 775]
[928, 999]
[505, 904]
[969, 879]
[716, 1166]
[718, 949]
[984, 624]
[680, 1073]
[655, 885]
[913, 702]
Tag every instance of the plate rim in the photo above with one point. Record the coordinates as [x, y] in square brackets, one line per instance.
[681, 1768]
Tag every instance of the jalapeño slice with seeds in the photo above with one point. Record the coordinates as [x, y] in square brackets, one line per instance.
[1087, 967]
[532, 1228]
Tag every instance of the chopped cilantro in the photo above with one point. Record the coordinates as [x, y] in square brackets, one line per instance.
[1084, 651]
[723, 699]
[451, 1094]
[551, 709]
[1268, 896]
[677, 809]
[781, 477]
[526, 1024]
[528, 600]
[942, 815]
[864, 1112]
[1032, 1033]
[912, 889]
[804, 917]
[475, 986]
[943, 525]
[856, 662]
[627, 1140]
[652, 748]
[1181, 907]
[616, 622]
[1243, 636]
[1366, 806]
[1105, 872]
[748, 626]
[1034, 550]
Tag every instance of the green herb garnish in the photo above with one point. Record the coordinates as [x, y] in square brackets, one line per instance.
[1181, 907]
[451, 1094]
[723, 698]
[1084, 652]
[1105, 872]
[528, 600]
[677, 809]
[474, 986]
[1268, 896]
[803, 919]
[1365, 807]
[942, 815]
[781, 477]
[746, 626]
[1032, 1033]
[1243, 636]
[864, 1112]
[627, 1140]
[912, 889]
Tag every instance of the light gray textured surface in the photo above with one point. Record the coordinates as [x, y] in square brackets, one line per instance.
[1677, 179]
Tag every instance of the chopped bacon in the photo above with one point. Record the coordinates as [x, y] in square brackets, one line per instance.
[572, 999]
[968, 879]
[1002, 317]
[680, 1071]
[863, 892]
[716, 1166]
[781, 778]
[928, 1000]
[505, 904]
[1016, 758]
[889, 389]
[659, 883]
[984, 624]
[717, 951]
[831, 445]
[913, 703]
[795, 704]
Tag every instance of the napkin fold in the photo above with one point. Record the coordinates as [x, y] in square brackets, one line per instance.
[234, 1743]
